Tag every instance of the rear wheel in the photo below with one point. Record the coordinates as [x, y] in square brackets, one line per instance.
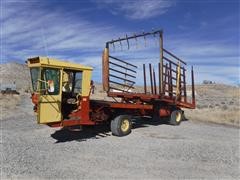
[176, 117]
[121, 125]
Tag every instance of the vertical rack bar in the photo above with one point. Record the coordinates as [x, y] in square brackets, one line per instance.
[159, 74]
[178, 83]
[151, 80]
[154, 82]
[105, 68]
[184, 85]
[169, 86]
[165, 78]
[161, 63]
[170, 79]
[144, 78]
[193, 89]
[176, 79]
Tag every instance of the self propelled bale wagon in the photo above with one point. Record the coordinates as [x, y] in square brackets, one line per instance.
[62, 90]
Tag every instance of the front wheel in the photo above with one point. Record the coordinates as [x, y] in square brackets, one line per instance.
[176, 117]
[121, 125]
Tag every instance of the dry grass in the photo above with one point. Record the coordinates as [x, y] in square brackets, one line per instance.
[9, 101]
[227, 117]
[217, 103]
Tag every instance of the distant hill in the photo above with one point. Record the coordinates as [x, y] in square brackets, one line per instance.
[19, 74]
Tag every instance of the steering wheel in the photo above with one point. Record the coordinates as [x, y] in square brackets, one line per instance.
[74, 100]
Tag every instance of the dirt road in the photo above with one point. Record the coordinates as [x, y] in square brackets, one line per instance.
[151, 151]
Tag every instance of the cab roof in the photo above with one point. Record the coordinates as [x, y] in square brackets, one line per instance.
[50, 62]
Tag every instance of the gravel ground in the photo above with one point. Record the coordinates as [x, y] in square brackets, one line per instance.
[151, 151]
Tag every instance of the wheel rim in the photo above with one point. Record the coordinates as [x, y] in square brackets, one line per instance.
[178, 116]
[125, 125]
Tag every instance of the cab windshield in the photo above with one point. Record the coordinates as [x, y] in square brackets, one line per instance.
[34, 77]
[45, 80]
[50, 81]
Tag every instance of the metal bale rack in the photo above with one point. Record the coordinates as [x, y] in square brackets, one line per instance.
[119, 76]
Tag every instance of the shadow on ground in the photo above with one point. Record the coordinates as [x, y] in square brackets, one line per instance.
[99, 131]
[86, 133]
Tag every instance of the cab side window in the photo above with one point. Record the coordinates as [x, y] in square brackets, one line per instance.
[67, 81]
[78, 82]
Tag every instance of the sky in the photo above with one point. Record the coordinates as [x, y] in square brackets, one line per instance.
[203, 33]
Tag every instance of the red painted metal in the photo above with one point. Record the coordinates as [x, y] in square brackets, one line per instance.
[131, 106]
[164, 111]
[35, 98]
[54, 125]
[142, 96]
[81, 115]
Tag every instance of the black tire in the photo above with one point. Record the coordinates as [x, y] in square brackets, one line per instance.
[176, 117]
[156, 115]
[121, 125]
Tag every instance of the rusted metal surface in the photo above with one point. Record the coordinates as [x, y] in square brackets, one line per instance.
[193, 88]
[127, 38]
[168, 85]
[178, 83]
[161, 63]
[154, 82]
[184, 86]
[105, 69]
[151, 79]
[165, 78]
[170, 78]
[117, 59]
[144, 79]
[171, 54]
[128, 69]
[121, 74]
[126, 74]
[160, 83]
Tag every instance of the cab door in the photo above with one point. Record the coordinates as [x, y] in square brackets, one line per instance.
[50, 96]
